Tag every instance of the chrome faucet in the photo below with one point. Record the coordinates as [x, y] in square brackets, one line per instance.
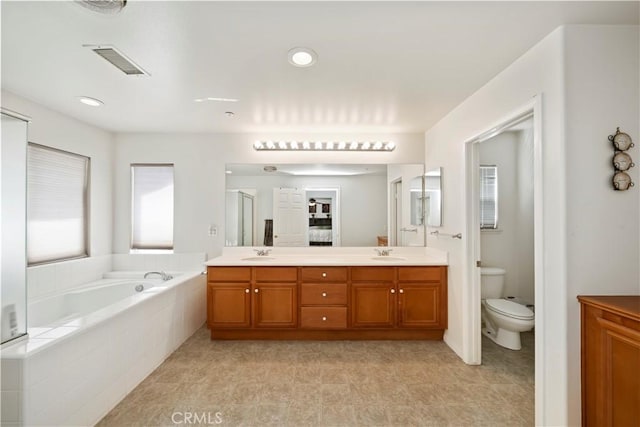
[383, 252]
[262, 252]
[164, 276]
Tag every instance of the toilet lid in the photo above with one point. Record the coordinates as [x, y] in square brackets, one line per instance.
[510, 308]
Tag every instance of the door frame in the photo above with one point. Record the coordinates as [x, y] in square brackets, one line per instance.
[395, 214]
[336, 235]
[472, 336]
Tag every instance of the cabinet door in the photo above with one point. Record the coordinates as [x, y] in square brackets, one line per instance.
[373, 305]
[275, 305]
[229, 305]
[620, 378]
[419, 305]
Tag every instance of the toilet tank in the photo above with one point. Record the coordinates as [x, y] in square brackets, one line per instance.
[491, 282]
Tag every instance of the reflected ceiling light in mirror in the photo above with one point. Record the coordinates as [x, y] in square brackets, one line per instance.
[323, 146]
[214, 99]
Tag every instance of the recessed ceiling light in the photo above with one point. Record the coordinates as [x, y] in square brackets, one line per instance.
[302, 57]
[229, 113]
[90, 101]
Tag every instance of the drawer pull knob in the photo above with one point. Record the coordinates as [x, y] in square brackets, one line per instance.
[324, 274]
[401, 291]
[393, 291]
[324, 318]
[246, 291]
[256, 290]
[324, 294]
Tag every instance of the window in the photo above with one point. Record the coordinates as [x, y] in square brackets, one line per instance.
[152, 206]
[57, 205]
[488, 197]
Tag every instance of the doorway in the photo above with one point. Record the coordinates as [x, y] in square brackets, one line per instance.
[323, 216]
[473, 244]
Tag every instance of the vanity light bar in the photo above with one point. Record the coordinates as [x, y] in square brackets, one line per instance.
[323, 146]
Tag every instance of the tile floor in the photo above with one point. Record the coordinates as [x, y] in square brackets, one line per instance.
[332, 383]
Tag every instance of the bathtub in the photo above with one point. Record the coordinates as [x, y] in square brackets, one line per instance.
[60, 309]
[89, 347]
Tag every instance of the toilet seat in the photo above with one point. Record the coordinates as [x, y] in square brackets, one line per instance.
[510, 309]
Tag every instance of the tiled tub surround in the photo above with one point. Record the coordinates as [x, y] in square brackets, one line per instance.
[74, 370]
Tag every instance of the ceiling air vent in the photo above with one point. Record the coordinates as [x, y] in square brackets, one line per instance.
[119, 60]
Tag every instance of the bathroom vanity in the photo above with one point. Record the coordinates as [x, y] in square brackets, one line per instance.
[328, 293]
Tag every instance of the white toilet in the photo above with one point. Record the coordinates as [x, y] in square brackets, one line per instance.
[503, 319]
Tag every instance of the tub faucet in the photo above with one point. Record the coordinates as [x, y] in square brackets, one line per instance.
[164, 276]
[383, 252]
[262, 252]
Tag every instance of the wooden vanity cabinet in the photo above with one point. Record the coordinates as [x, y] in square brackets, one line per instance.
[373, 297]
[229, 297]
[333, 302]
[275, 297]
[610, 343]
[246, 297]
[403, 297]
[422, 301]
[323, 297]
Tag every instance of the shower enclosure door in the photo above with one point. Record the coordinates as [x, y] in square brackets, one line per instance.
[13, 285]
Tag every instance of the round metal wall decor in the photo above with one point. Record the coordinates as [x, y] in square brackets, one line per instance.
[622, 161]
[621, 141]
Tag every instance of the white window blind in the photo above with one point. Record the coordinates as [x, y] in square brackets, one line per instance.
[152, 206]
[57, 212]
[488, 197]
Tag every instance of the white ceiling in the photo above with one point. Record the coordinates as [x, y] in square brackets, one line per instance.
[382, 66]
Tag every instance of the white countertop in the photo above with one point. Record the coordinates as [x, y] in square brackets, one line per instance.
[329, 256]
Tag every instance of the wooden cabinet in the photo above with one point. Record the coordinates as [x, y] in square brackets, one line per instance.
[421, 298]
[275, 297]
[323, 297]
[373, 297]
[415, 298]
[245, 297]
[333, 302]
[229, 297]
[610, 343]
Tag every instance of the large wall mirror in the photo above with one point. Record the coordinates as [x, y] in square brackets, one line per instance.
[324, 205]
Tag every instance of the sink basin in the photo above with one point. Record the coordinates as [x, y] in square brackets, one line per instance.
[258, 258]
[388, 258]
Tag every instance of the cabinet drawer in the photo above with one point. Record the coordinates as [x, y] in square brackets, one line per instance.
[324, 274]
[229, 274]
[377, 274]
[276, 274]
[429, 274]
[323, 293]
[323, 317]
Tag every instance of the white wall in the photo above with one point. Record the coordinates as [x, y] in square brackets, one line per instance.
[602, 93]
[59, 131]
[53, 129]
[200, 160]
[586, 90]
[511, 245]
